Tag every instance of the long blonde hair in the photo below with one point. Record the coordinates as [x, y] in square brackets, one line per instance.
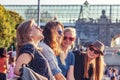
[98, 67]
[73, 31]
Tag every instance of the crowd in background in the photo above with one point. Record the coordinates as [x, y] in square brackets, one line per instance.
[112, 72]
[7, 63]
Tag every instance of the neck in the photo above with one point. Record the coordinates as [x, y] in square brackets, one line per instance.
[65, 50]
[35, 43]
[90, 60]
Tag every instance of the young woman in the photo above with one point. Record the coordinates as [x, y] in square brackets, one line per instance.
[90, 66]
[3, 63]
[66, 58]
[28, 36]
[53, 33]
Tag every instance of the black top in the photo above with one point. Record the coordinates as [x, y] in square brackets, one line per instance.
[38, 64]
[79, 67]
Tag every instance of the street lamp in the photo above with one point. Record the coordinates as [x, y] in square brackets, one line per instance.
[38, 17]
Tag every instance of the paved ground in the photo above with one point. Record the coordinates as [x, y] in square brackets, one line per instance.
[107, 78]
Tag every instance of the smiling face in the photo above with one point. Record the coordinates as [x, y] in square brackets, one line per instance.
[93, 52]
[69, 38]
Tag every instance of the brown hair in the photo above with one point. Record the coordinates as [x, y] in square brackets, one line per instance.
[50, 35]
[22, 34]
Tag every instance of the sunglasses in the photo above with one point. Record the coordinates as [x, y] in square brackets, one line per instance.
[95, 51]
[59, 32]
[70, 38]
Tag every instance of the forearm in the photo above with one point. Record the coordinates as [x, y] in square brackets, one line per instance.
[59, 76]
[70, 74]
[70, 77]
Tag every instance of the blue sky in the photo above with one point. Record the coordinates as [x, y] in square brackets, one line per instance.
[59, 2]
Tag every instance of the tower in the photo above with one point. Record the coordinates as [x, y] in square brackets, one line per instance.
[84, 11]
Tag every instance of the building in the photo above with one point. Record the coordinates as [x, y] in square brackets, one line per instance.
[67, 13]
[90, 21]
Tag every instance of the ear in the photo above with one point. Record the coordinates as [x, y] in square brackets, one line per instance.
[30, 33]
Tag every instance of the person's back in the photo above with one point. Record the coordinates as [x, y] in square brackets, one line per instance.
[3, 63]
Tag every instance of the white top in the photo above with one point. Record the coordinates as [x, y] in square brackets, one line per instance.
[51, 57]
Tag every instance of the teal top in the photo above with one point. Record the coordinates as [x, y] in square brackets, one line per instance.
[70, 60]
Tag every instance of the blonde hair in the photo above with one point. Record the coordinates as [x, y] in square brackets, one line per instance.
[73, 31]
[70, 29]
[98, 67]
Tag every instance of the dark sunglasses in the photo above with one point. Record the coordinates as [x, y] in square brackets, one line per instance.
[59, 32]
[70, 38]
[95, 51]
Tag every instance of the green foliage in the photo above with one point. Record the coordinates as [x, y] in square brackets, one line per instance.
[8, 22]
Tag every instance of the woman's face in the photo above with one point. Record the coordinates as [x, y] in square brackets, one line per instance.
[59, 33]
[68, 39]
[93, 52]
[36, 32]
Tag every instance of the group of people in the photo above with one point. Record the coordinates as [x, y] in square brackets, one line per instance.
[7, 63]
[48, 52]
[112, 73]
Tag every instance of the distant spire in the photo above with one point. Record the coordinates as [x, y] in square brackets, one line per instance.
[86, 3]
[55, 18]
[86, 10]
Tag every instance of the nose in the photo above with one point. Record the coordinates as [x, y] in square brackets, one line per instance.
[92, 51]
[67, 40]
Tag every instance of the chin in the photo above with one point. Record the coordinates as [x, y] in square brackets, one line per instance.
[92, 57]
[41, 38]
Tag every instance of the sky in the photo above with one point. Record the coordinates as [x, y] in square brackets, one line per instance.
[54, 2]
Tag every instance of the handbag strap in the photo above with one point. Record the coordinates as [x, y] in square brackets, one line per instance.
[25, 65]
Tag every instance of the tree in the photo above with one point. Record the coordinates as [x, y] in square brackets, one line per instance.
[8, 22]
